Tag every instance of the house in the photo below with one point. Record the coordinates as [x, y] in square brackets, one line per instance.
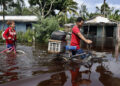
[100, 26]
[102, 31]
[68, 27]
[22, 22]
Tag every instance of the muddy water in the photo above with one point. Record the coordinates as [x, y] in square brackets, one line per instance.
[36, 67]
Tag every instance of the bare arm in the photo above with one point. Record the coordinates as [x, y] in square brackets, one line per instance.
[84, 39]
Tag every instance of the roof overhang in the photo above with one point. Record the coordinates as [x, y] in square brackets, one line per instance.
[99, 20]
[20, 18]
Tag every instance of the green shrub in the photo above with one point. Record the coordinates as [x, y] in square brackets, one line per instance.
[25, 37]
[1, 39]
[61, 28]
[44, 28]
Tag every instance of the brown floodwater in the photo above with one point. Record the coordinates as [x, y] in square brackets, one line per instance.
[36, 67]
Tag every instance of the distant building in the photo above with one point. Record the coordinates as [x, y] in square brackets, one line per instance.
[22, 22]
[101, 30]
[68, 27]
[96, 27]
[100, 27]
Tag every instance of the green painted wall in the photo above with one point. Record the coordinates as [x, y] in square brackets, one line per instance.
[99, 31]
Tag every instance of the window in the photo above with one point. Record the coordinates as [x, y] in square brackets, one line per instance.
[28, 26]
[109, 31]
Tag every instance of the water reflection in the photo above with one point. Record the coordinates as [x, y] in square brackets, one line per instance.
[37, 62]
[77, 75]
[58, 79]
[101, 44]
[106, 77]
[117, 50]
[7, 70]
[15, 66]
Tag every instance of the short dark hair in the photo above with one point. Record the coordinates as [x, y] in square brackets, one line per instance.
[79, 19]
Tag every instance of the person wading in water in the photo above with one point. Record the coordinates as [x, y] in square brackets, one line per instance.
[10, 34]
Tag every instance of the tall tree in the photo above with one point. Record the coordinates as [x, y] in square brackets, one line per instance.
[115, 15]
[5, 4]
[42, 7]
[16, 8]
[19, 6]
[104, 9]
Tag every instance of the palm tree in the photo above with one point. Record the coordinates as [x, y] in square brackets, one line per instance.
[84, 12]
[69, 6]
[104, 10]
[115, 15]
[17, 7]
[43, 7]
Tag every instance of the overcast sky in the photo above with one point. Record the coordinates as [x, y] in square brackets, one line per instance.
[91, 4]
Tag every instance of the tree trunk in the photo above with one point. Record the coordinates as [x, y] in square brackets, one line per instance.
[3, 16]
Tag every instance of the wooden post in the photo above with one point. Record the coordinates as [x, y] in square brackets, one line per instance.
[117, 47]
[104, 8]
[88, 35]
[103, 31]
[118, 33]
[88, 30]
[103, 37]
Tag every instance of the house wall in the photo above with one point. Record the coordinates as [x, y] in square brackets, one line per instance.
[99, 31]
[19, 26]
[115, 32]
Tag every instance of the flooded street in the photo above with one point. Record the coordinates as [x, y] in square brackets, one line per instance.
[35, 67]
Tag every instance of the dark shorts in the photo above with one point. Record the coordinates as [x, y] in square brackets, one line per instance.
[10, 45]
[80, 51]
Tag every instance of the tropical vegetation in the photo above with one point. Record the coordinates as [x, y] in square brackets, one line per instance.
[52, 14]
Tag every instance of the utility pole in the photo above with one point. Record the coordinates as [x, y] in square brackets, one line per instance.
[104, 8]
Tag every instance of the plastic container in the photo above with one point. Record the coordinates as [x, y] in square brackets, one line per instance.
[68, 47]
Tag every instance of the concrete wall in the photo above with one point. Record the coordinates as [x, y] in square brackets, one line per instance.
[115, 32]
[118, 32]
[20, 26]
[99, 31]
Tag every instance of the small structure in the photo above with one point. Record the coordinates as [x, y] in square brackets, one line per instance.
[56, 46]
[68, 27]
[22, 22]
[100, 27]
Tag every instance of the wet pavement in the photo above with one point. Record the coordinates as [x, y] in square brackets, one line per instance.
[36, 67]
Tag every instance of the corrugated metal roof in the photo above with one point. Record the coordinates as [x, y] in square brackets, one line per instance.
[20, 18]
[99, 19]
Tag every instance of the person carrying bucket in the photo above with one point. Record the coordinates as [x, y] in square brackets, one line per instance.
[10, 34]
[77, 36]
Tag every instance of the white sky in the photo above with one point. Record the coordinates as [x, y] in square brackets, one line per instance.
[91, 4]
